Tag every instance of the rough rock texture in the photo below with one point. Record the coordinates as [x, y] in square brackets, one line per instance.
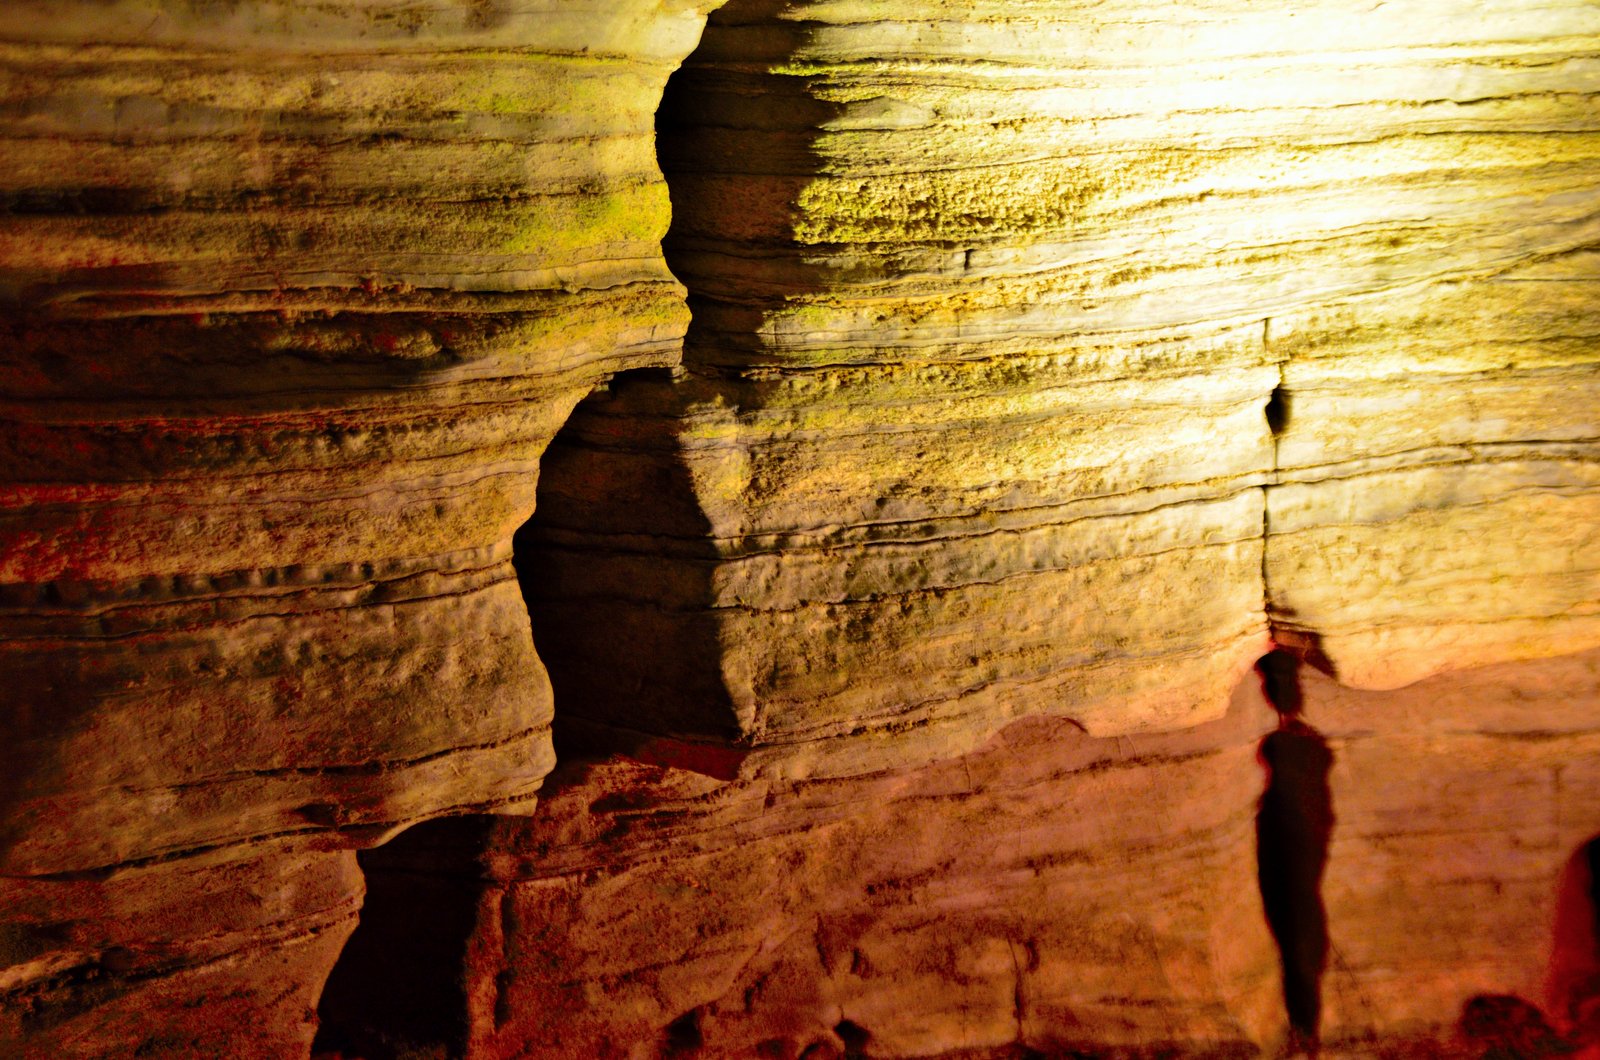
[1456, 867]
[1045, 356]
[292, 295]
[1049, 891]
[196, 957]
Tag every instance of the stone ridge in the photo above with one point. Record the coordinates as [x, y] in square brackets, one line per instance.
[988, 303]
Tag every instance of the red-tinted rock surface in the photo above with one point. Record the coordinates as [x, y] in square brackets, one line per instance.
[1462, 804]
[1049, 891]
[201, 956]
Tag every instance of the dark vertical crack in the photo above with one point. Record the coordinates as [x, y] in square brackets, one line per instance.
[1277, 416]
[398, 988]
[1293, 827]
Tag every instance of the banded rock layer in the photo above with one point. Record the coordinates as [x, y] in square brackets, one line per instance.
[1050, 894]
[1051, 891]
[292, 297]
[1044, 359]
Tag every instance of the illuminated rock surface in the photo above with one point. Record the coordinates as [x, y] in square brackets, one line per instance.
[987, 316]
[1045, 360]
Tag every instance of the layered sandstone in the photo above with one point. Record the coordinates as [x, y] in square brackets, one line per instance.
[1044, 359]
[1050, 894]
[1051, 891]
[292, 297]
[1457, 865]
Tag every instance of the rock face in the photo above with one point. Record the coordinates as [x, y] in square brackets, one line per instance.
[1051, 891]
[1047, 362]
[1043, 360]
[292, 296]
[1464, 805]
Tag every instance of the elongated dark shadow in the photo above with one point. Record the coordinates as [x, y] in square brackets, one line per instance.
[1293, 827]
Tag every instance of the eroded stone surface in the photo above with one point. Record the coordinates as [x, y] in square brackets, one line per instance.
[1461, 803]
[987, 315]
[219, 956]
[292, 295]
[1050, 891]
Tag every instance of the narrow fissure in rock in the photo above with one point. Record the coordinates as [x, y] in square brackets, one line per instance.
[1294, 824]
[399, 987]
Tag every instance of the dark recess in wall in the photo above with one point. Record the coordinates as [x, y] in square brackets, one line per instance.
[1294, 825]
[398, 990]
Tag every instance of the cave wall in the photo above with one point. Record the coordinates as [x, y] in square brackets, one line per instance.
[1034, 367]
[294, 294]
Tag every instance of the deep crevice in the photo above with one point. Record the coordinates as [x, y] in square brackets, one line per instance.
[1278, 411]
[400, 986]
[1294, 825]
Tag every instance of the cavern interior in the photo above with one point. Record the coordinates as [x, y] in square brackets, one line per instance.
[799, 529]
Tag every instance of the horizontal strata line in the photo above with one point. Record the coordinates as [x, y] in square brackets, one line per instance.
[392, 297]
[659, 840]
[1235, 487]
[1347, 471]
[1287, 621]
[174, 854]
[273, 938]
[919, 714]
[238, 621]
[1028, 368]
[863, 66]
[160, 491]
[1561, 492]
[283, 588]
[943, 589]
[346, 770]
[17, 203]
[1075, 156]
[1243, 253]
[738, 427]
[1514, 376]
[80, 56]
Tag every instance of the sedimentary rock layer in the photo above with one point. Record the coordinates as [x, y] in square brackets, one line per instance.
[196, 957]
[295, 297]
[1051, 891]
[1463, 804]
[1044, 357]
[291, 298]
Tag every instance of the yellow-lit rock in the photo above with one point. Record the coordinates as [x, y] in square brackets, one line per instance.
[989, 302]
